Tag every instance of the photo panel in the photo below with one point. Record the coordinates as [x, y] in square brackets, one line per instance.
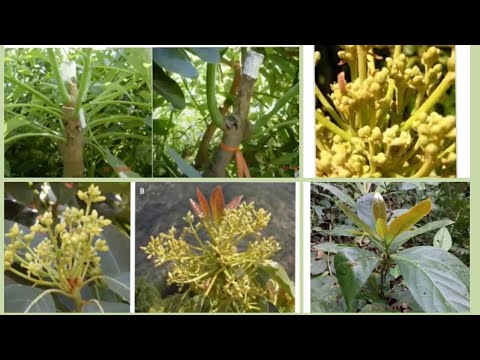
[385, 111]
[78, 112]
[215, 247]
[226, 112]
[67, 247]
[390, 247]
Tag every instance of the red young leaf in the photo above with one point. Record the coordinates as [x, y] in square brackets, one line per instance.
[203, 203]
[217, 203]
[234, 203]
[196, 208]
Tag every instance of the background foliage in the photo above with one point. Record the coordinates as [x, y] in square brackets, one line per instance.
[450, 201]
[181, 114]
[25, 202]
[117, 108]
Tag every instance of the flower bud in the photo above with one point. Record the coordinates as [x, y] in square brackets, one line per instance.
[378, 207]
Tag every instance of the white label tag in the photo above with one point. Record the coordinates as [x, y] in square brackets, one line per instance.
[68, 70]
[82, 119]
[122, 174]
[252, 64]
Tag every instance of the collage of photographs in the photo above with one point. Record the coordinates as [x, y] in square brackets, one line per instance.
[212, 179]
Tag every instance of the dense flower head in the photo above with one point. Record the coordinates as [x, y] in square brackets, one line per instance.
[205, 257]
[60, 252]
[383, 122]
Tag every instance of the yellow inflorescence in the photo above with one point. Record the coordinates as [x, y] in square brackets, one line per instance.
[384, 124]
[217, 268]
[67, 255]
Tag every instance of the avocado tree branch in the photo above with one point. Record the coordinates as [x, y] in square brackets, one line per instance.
[234, 133]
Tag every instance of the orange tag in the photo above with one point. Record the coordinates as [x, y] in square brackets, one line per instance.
[242, 168]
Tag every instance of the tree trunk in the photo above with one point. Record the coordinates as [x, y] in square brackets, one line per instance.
[72, 149]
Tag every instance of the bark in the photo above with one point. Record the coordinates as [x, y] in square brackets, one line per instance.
[72, 149]
[233, 135]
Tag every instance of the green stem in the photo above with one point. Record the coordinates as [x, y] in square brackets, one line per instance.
[353, 65]
[397, 51]
[278, 105]
[211, 99]
[331, 126]
[30, 89]
[20, 136]
[118, 102]
[28, 278]
[117, 135]
[53, 111]
[77, 299]
[117, 118]
[199, 108]
[82, 90]
[426, 169]
[58, 77]
[331, 111]
[432, 100]
[37, 299]
[371, 63]
[447, 150]
[276, 126]
[373, 165]
[362, 62]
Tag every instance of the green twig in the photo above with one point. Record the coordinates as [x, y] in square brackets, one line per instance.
[432, 100]
[278, 105]
[211, 99]
[30, 89]
[331, 126]
[20, 136]
[362, 62]
[82, 90]
[56, 73]
[331, 111]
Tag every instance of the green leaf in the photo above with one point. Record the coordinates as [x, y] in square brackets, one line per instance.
[317, 266]
[168, 88]
[184, 167]
[342, 195]
[362, 225]
[381, 228]
[119, 284]
[438, 281]
[210, 55]
[14, 123]
[406, 221]
[118, 165]
[327, 299]
[365, 209]
[434, 225]
[174, 60]
[328, 247]
[342, 230]
[443, 239]
[278, 274]
[116, 260]
[105, 307]
[379, 208]
[18, 299]
[403, 296]
[353, 266]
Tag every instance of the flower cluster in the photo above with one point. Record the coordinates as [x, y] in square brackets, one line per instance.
[216, 268]
[60, 254]
[382, 123]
